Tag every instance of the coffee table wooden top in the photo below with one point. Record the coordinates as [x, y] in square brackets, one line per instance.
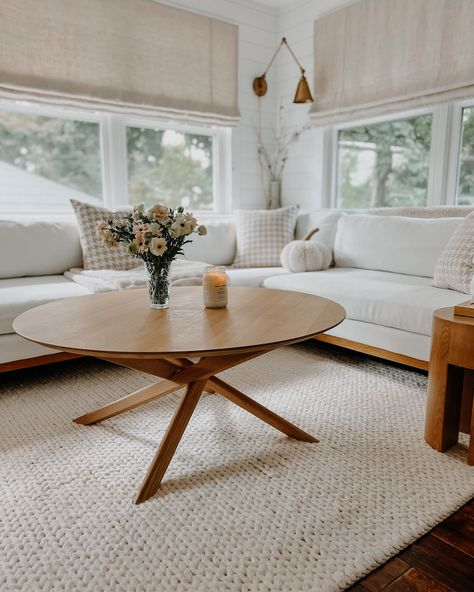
[121, 324]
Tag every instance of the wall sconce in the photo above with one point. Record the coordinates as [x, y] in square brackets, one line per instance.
[302, 94]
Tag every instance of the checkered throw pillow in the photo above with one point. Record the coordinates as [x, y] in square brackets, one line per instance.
[94, 254]
[455, 266]
[262, 234]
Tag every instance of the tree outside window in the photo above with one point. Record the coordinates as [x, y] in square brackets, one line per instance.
[170, 167]
[384, 164]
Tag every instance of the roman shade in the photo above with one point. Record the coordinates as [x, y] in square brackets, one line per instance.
[134, 56]
[380, 56]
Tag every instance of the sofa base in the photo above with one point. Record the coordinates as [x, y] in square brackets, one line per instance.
[20, 353]
[38, 361]
[338, 341]
[374, 351]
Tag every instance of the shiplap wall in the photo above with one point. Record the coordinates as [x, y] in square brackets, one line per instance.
[303, 178]
[258, 36]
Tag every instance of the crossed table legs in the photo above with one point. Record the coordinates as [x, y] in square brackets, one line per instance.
[177, 373]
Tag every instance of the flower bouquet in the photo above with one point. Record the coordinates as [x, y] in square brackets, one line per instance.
[157, 236]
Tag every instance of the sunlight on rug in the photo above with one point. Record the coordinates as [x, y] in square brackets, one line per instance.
[242, 507]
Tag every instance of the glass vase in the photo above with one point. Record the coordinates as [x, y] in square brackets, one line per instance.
[158, 283]
[275, 194]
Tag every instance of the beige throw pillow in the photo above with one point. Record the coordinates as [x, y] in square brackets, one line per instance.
[95, 255]
[262, 234]
[455, 266]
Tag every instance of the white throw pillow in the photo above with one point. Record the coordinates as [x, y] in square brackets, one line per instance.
[397, 244]
[306, 255]
[262, 234]
[38, 247]
[95, 255]
[221, 233]
[455, 266]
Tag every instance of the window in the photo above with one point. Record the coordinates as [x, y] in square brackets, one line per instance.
[48, 156]
[384, 164]
[173, 167]
[465, 181]
[44, 161]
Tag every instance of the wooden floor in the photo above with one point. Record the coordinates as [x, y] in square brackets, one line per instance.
[441, 561]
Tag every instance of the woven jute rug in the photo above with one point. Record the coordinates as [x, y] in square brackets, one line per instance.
[242, 507]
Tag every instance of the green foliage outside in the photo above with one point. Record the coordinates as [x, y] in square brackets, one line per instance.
[172, 174]
[61, 150]
[68, 152]
[180, 172]
[399, 176]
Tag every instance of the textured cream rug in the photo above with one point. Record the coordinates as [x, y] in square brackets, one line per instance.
[243, 508]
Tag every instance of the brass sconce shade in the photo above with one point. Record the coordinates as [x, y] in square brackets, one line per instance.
[303, 93]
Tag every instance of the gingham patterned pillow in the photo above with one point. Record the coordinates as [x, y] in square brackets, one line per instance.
[94, 254]
[262, 234]
[455, 266]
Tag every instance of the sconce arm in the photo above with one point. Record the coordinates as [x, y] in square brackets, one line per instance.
[282, 42]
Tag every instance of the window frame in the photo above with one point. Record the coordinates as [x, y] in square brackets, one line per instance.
[113, 151]
[456, 133]
[444, 159]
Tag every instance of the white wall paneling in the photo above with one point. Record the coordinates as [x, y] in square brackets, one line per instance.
[304, 181]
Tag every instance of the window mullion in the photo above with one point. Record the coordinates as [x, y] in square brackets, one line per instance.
[222, 171]
[439, 155]
[114, 161]
[454, 143]
[329, 177]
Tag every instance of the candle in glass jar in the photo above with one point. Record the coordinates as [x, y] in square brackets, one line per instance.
[215, 287]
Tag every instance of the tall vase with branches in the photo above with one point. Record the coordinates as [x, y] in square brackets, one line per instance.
[272, 163]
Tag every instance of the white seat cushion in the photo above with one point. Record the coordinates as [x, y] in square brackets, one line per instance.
[19, 294]
[393, 300]
[253, 276]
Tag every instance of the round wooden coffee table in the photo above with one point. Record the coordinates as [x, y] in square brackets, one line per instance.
[120, 327]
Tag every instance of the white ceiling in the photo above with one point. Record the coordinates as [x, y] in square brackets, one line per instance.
[325, 4]
[276, 3]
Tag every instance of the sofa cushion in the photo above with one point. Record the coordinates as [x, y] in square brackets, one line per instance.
[392, 243]
[95, 254]
[401, 301]
[254, 276]
[38, 247]
[217, 247]
[455, 267]
[262, 234]
[19, 294]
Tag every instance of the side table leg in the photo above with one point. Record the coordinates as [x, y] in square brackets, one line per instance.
[470, 456]
[443, 406]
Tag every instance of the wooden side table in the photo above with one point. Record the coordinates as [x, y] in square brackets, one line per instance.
[449, 408]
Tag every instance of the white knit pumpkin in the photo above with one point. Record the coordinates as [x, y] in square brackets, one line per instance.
[306, 255]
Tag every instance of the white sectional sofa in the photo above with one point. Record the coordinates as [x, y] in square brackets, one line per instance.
[388, 313]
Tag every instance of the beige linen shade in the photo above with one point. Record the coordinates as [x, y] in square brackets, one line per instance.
[380, 56]
[135, 56]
